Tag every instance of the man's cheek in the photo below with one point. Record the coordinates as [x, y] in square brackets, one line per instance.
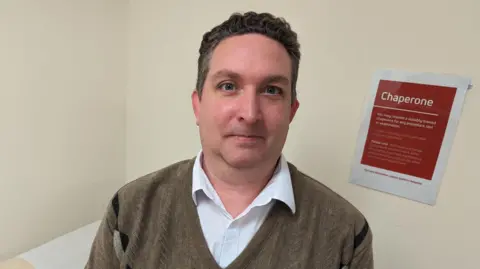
[277, 122]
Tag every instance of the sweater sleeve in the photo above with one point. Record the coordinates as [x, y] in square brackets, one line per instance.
[362, 257]
[102, 253]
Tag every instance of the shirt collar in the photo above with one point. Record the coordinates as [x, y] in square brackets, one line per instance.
[279, 187]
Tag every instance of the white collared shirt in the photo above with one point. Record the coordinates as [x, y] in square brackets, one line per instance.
[226, 236]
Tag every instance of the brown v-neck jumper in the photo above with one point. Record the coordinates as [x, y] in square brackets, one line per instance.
[152, 223]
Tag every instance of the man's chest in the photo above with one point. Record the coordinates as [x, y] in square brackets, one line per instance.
[225, 236]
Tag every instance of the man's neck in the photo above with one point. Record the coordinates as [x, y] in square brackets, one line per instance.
[237, 188]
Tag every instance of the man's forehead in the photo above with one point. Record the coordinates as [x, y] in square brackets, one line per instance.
[251, 52]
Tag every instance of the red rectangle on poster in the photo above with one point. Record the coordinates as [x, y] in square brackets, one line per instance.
[407, 126]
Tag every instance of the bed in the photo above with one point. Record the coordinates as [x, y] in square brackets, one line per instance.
[69, 251]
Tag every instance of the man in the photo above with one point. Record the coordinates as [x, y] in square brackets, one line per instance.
[238, 203]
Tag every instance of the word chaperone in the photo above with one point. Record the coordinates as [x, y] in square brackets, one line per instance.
[400, 99]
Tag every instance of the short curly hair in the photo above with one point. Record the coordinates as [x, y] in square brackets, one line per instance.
[276, 28]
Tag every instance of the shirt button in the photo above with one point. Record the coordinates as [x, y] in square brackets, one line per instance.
[231, 235]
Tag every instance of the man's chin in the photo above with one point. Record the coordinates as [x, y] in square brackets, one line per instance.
[244, 160]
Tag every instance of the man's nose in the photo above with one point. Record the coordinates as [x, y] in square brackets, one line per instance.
[249, 106]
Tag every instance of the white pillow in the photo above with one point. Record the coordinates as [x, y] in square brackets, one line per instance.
[68, 251]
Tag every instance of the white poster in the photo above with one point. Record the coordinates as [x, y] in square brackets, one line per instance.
[407, 132]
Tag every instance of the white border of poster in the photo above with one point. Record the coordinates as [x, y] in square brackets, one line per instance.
[427, 191]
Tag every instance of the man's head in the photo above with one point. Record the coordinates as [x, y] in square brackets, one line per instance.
[245, 95]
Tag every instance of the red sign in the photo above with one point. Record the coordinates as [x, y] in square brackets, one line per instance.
[407, 127]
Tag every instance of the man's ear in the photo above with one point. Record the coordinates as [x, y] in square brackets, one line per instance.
[196, 105]
[294, 108]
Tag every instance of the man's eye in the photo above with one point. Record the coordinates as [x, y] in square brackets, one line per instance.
[273, 90]
[227, 86]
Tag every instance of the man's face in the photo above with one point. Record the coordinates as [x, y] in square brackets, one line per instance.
[246, 107]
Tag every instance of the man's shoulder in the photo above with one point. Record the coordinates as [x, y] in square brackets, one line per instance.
[162, 178]
[322, 197]
[320, 204]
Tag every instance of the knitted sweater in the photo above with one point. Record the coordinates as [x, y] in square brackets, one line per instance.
[152, 222]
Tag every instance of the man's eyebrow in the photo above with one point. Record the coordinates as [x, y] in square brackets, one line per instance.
[225, 73]
[277, 79]
[234, 75]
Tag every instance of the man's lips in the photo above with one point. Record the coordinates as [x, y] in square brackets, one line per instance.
[246, 137]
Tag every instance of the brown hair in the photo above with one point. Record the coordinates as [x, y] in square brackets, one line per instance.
[251, 22]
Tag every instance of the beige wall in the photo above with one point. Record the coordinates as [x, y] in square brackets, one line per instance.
[65, 64]
[62, 117]
[343, 43]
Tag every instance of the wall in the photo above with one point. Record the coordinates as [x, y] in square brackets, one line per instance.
[343, 43]
[62, 116]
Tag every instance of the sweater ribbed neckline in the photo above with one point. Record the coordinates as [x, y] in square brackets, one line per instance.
[253, 248]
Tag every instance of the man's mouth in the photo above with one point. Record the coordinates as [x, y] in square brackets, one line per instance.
[247, 138]
[247, 135]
